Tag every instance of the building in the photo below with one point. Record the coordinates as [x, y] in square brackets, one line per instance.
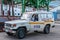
[4, 17]
[0, 7]
[56, 12]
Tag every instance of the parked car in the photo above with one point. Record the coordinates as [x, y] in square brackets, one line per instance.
[30, 21]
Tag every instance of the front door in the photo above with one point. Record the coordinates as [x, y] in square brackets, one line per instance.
[35, 25]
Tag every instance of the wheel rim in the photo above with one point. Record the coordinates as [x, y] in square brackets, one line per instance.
[21, 34]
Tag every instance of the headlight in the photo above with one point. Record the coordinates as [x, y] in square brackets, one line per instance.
[14, 25]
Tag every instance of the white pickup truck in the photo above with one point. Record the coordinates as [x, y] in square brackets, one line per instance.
[30, 21]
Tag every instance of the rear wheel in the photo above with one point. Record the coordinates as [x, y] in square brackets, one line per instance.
[21, 33]
[47, 29]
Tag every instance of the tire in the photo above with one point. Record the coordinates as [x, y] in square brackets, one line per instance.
[21, 33]
[9, 34]
[47, 29]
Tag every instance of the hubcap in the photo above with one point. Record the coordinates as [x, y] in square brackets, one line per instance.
[47, 29]
[21, 34]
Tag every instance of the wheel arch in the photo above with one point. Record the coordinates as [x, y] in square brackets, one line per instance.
[22, 27]
[48, 24]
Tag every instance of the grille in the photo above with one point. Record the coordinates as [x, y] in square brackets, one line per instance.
[9, 25]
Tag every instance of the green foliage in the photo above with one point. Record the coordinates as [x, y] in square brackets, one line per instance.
[35, 3]
[38, 2]
[8, 1]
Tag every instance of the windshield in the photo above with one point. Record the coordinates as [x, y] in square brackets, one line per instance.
[25, 16]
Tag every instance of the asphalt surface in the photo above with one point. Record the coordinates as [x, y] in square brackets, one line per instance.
[54, 35]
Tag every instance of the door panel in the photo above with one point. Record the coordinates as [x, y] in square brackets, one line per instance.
[35, 24]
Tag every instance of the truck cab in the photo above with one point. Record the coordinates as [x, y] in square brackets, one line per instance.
[30, 21]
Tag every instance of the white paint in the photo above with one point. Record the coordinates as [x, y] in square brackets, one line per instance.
[5, 9]
[10, 11]
[0, 10]
[17, 11]
[29, 9]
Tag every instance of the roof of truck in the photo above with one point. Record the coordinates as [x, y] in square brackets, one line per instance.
[37, 12]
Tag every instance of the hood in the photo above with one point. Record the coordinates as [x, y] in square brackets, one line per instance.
[16, 21]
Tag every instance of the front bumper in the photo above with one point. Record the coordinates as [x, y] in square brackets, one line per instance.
[9, 30]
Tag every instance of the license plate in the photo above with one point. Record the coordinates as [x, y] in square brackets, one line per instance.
[7, 29]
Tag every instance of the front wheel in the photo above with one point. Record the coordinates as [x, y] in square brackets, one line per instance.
[21, 33]
[47, 29]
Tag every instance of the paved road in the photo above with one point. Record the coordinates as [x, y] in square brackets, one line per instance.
[54, 35]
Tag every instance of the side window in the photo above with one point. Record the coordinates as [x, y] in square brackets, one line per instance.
[43, 17]
[34, 17]
[49, 15]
